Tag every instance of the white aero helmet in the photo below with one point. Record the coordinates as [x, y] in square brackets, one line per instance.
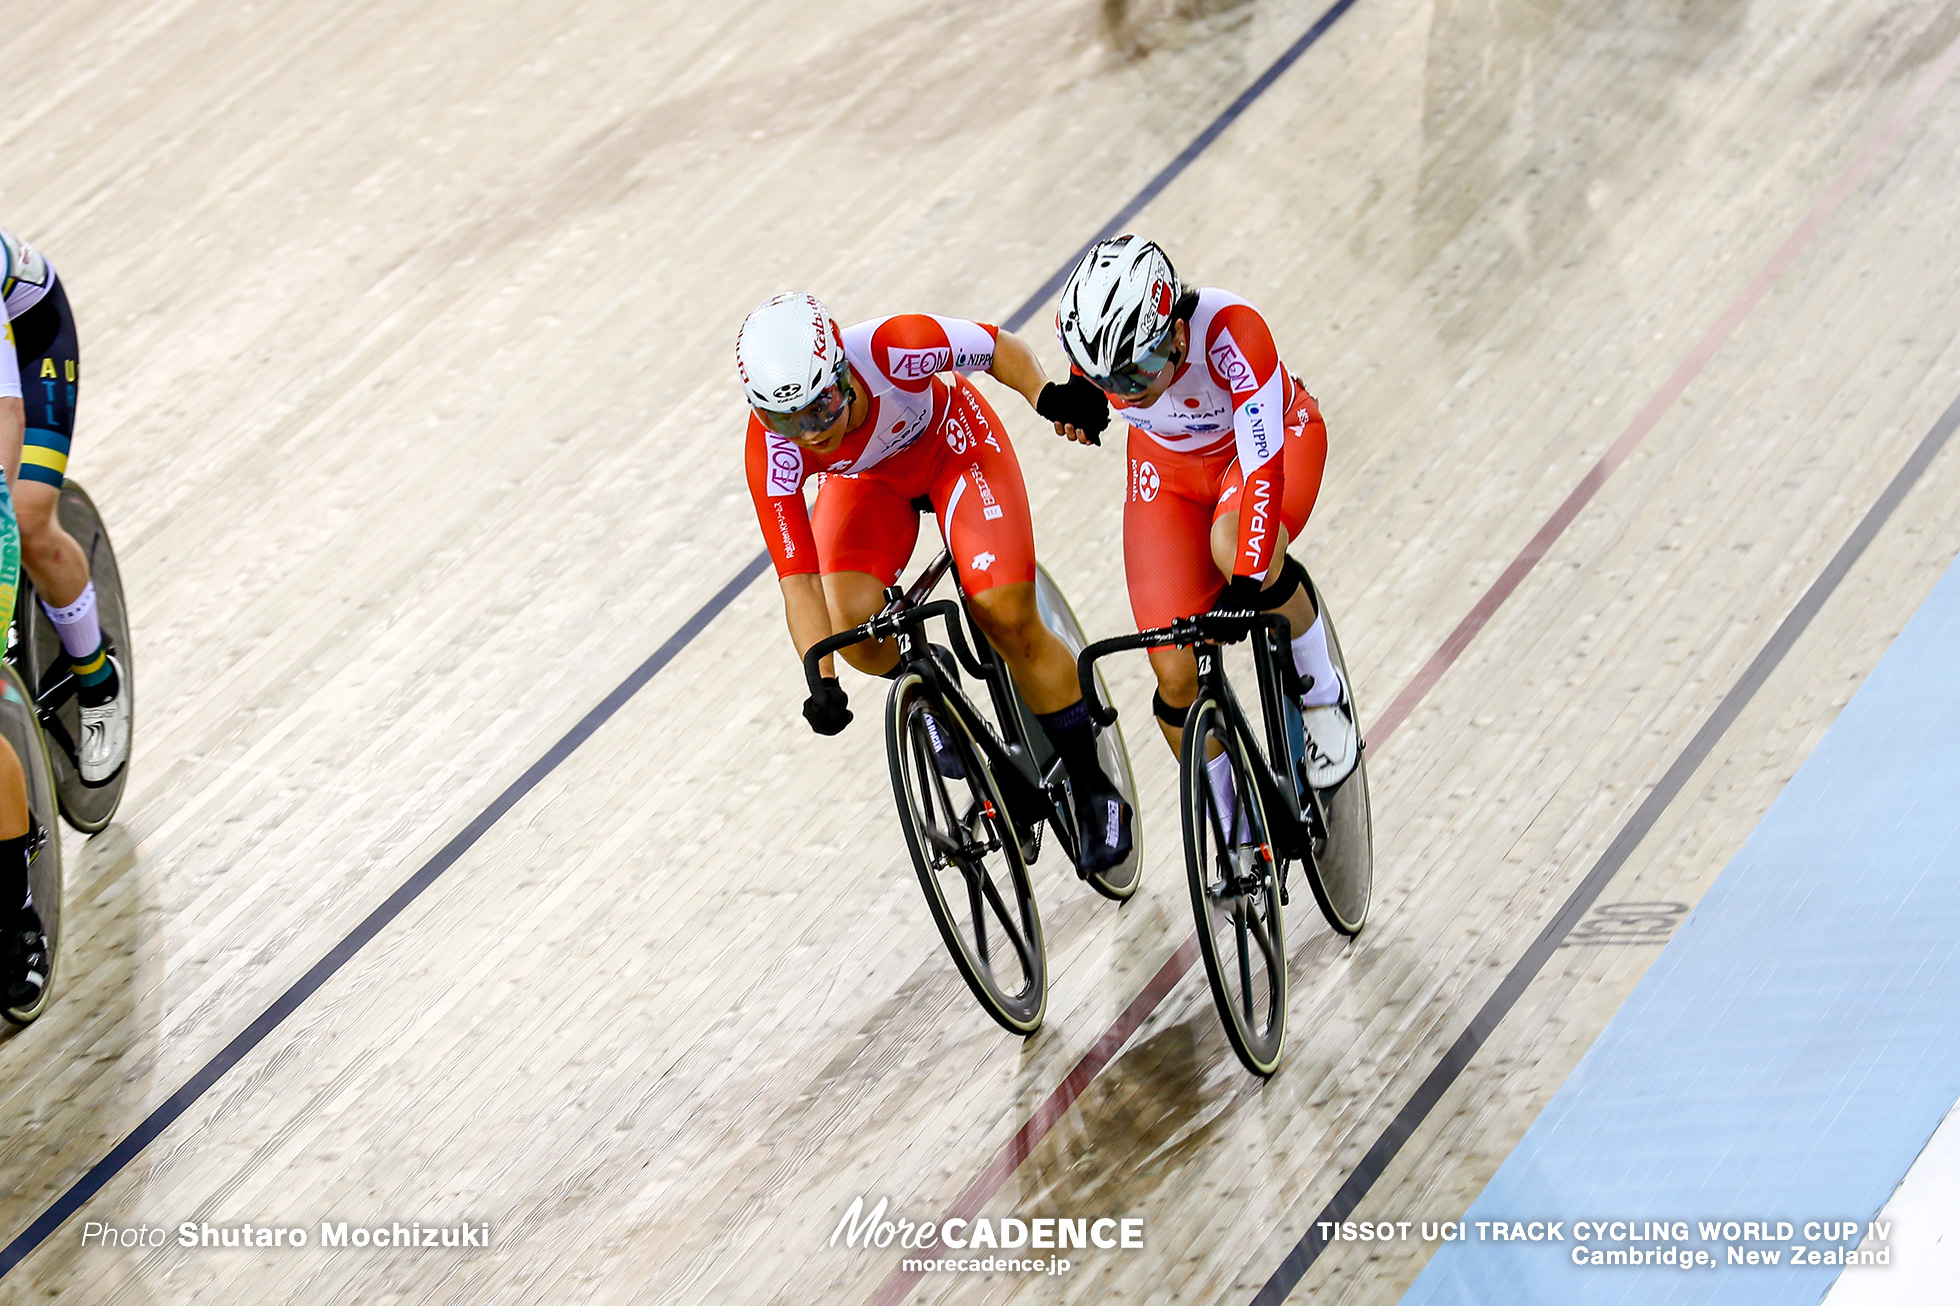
[790, 353]
[1116, 312]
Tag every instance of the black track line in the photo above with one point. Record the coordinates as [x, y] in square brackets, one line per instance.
[1498, 1005]
[268, 1020]
[323, 970]
[1175, 168]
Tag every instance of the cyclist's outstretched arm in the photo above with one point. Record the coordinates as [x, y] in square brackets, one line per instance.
[1016, 367]
[1078, 415]
[1076, 407]
[808, 615]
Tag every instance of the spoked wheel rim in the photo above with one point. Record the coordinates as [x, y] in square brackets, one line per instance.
[1234, 895]
[968, 860]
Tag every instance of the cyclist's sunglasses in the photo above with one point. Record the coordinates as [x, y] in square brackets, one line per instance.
[1134, 378]
[816, 417]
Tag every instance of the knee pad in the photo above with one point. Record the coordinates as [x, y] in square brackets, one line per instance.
[1290, 577]
[1170, 716]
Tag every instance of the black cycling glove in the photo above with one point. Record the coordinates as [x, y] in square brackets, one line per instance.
[1076, 403]
[828, 710]
[1240, 595]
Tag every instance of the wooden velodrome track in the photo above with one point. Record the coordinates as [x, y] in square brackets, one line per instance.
[409, 397]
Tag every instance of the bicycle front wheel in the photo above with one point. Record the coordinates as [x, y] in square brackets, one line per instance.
[39, 656]
[967, 854]
[1229, 855]
[21, 728]
[1342, 872]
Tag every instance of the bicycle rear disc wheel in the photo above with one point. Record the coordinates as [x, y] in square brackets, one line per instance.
[41, 659]
[22, 729]
[1342, 871]
[1119, 882]
[968, 857]
[1233, 892]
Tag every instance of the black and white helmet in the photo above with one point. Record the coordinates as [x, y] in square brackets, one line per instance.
[789, 352]
[1116, 305]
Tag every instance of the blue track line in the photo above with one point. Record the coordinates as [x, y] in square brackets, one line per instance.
[1482, 1025]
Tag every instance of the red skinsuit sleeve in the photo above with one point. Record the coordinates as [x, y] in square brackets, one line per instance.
[1239, 349]
[910, 348]
[776, 471]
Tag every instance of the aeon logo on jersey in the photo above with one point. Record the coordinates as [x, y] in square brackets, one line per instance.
[1144, 481]
[917, 364]
[1230, 364]
[785, 469]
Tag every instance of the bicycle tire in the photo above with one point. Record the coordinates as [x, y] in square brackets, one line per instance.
[1118, 883]
[22, 728]
[1342, 869]
[1234, 895]
[37, 652]
[966, 851]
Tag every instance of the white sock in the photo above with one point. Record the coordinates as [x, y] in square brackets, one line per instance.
[1310, 660]
[1226, 792]
[77, 624]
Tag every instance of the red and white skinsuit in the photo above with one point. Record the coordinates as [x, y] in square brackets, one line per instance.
[1233, 431]
[924, 438]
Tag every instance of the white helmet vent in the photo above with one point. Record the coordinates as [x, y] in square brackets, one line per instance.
[789, 351]
[1116, 304]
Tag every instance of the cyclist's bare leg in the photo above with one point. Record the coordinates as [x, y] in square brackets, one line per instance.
[855, 597]
[13, 796]
[54, 561]
[1177, 685]
[1298, 610]
[1040, 663]
[1044, 672]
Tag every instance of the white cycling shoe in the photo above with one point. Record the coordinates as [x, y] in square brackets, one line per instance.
[1333, 742]
[105, 733]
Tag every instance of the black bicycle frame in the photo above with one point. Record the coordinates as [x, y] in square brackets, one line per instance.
[1205, 635]
[62, 684]
[1029, 792]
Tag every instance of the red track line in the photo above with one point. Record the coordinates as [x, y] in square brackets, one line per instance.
[1097, 1058]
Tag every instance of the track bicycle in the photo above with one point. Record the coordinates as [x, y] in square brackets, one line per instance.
[973, 800]
[1239, 861]
[41, 717]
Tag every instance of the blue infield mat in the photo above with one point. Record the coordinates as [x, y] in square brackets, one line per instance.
[1790, 1051]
